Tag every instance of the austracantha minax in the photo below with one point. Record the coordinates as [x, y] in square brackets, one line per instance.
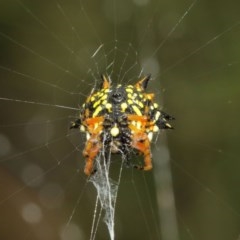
[120, 118]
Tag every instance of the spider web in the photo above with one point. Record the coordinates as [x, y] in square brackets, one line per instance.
[53, 55]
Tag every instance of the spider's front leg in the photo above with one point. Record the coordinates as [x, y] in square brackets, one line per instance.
[93, 144]
[90, 151]
[140, 140]
[142, 144]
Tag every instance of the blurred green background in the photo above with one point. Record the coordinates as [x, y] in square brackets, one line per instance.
[47, 59]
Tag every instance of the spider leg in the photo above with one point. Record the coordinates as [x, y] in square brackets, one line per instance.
[93, 144]
[90, 151]
[141, 142]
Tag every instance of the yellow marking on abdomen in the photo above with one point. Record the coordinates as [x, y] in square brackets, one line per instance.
[124, 106]
[130, 96]
[130, 102]
[104, 97]
[108, 106]
[96, 103]
[129, 90]
[157, 115]
[137, 110]
[114, 131]
[140, 104]
[155, 105]
[97, 111]
[155, 128]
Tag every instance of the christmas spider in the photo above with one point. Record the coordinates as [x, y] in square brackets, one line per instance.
[120, 118]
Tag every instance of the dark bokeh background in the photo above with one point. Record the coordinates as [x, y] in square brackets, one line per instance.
[46, 50]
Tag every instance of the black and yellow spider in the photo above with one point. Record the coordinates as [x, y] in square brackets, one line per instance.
[120, 118]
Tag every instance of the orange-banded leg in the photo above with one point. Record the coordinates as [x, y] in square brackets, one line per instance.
[140, 141]
[90, 151]
[93, 144]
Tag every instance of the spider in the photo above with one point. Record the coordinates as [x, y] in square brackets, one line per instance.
[120, 119]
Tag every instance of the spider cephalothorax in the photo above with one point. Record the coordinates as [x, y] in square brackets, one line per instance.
[120, 118]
